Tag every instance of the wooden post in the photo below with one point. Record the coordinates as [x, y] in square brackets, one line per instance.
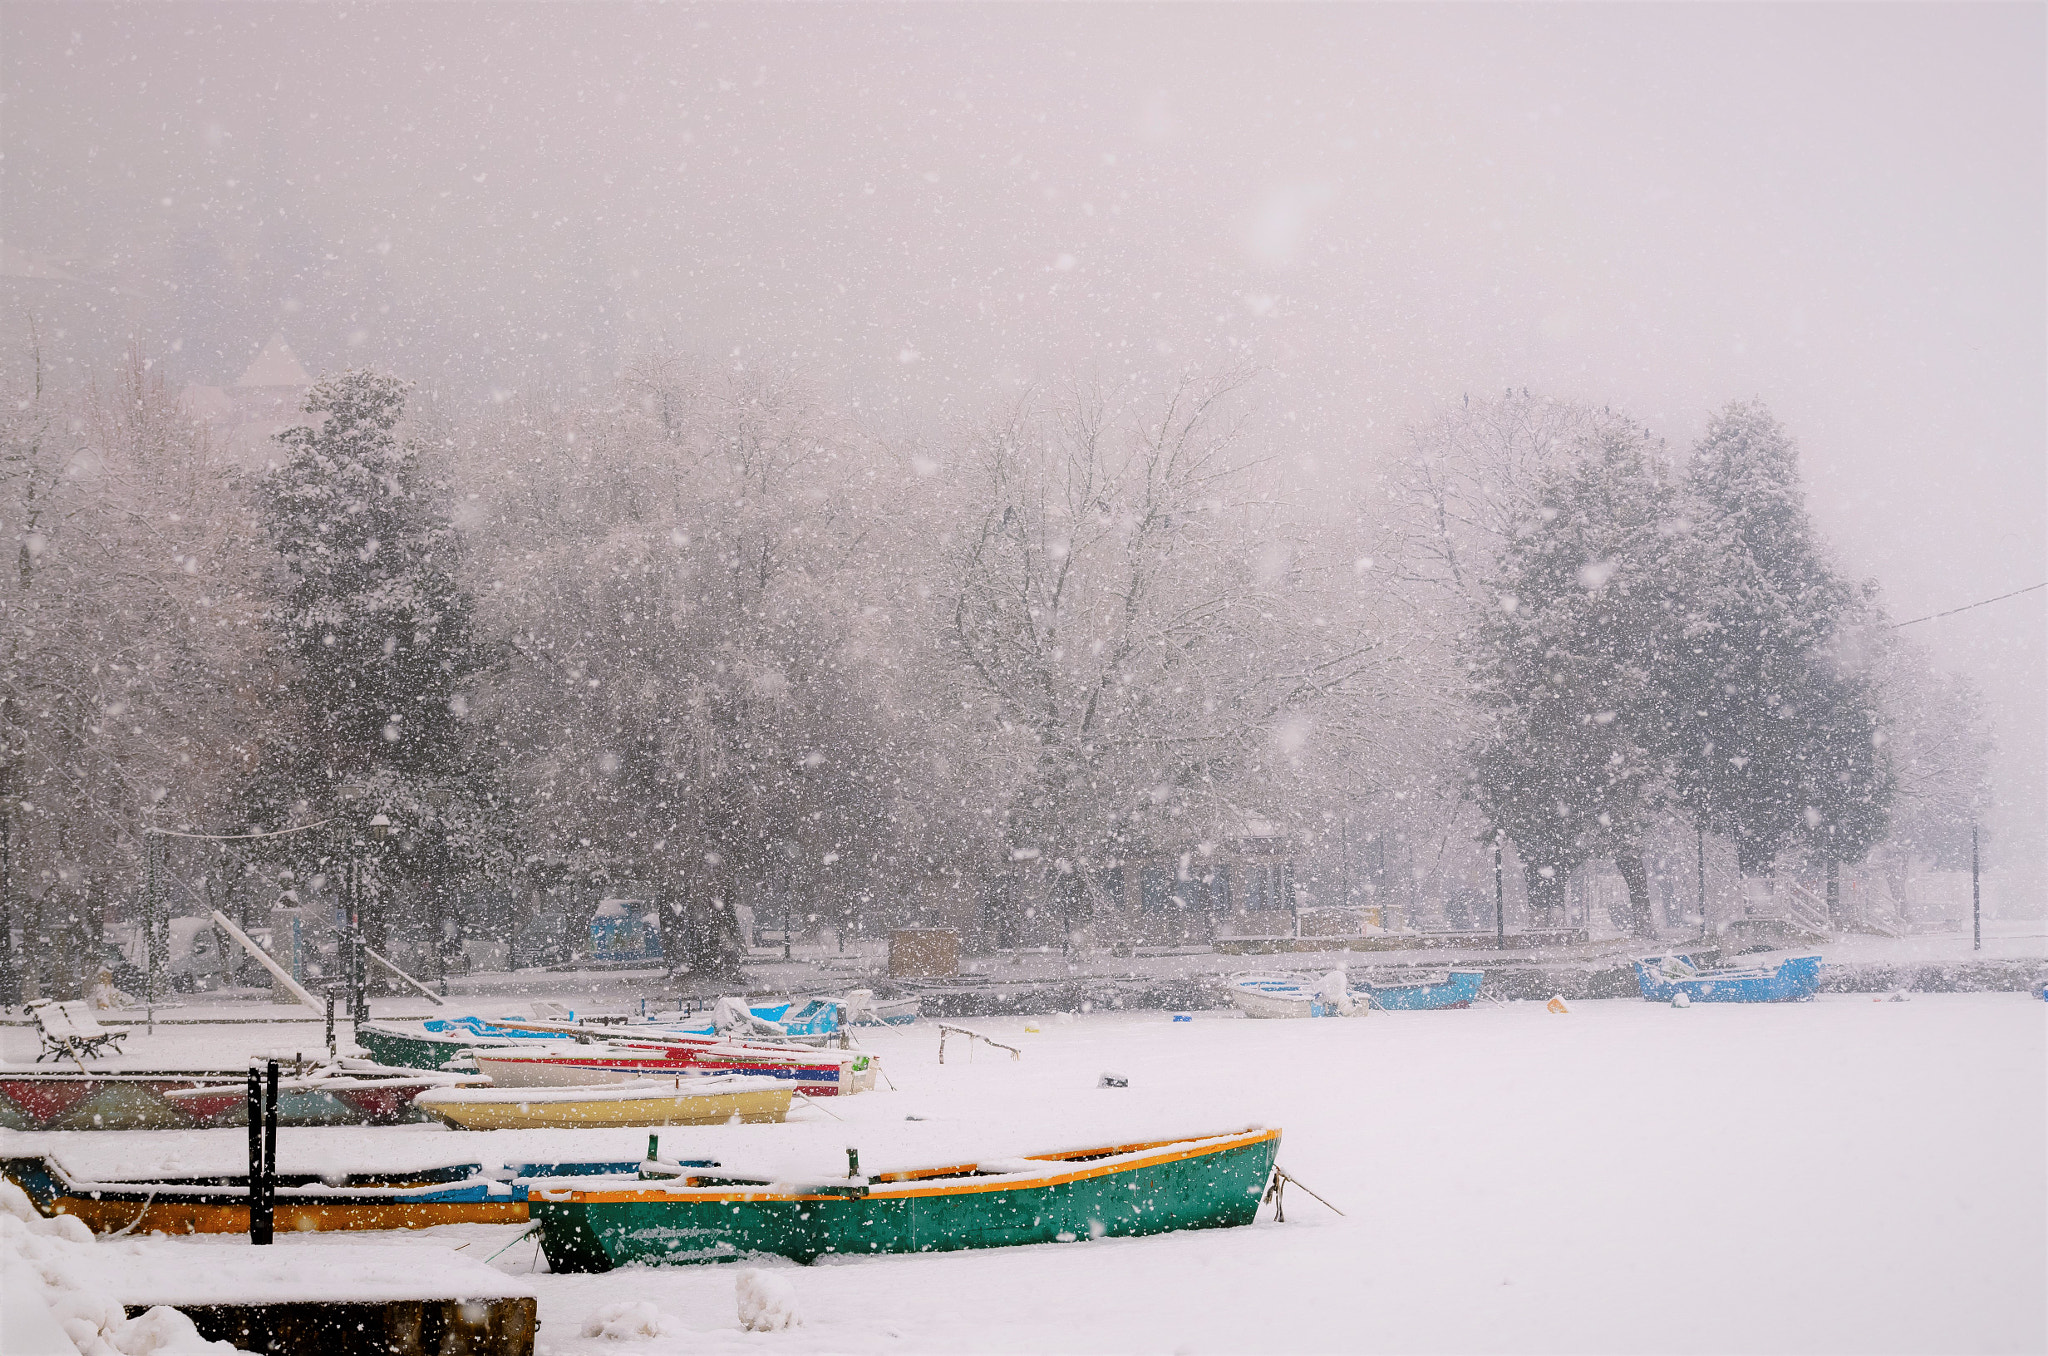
[269, 1149]
[259, 1224]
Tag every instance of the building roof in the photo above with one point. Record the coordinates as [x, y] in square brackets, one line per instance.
[275, 366]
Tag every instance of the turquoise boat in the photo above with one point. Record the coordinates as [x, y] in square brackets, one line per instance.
[1210, 1182]
[1664, 978]
[1456, 989]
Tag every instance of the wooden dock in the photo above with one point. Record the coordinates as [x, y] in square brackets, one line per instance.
[305, 1296]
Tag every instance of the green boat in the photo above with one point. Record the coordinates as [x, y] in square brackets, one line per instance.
[415, 1045]
[1212, 1182]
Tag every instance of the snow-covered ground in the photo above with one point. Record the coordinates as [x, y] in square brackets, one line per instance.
[1843, 1175]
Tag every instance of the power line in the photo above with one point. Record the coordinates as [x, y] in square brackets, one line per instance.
[225, 837]
[1967, 606]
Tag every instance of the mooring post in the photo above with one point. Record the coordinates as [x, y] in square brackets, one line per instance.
[262, 1151]
[270, 1151]
[259, 1230]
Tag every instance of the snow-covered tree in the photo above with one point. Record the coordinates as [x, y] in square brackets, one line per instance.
[127, 668]
[374, 636]
[1776, 736]
[1569, 666]
[701, 597]
[1132, 623]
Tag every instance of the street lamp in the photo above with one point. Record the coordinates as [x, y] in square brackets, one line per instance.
[379, 828]
[10, 968]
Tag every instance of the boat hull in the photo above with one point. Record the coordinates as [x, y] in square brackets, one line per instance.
[812, 1075]
[406, 1050]
[432, 1197]
[1457, 991]
[607, 1108]
[1200, 1184]
[1278, 998]
[151, 1101]
[1790, 981]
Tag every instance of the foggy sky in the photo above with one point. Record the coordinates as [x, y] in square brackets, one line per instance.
[1841, 210]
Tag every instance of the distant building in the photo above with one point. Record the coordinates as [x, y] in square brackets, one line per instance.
[268, 398]
[1240, 882]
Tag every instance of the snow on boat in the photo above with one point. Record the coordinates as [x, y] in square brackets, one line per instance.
[816, 1073]
[1292, 996]
[1447, 989]
[461, 1193]
[828, 1016]
[345, 1092]
[601, 1106]
[1663, 978]
[437, 1042]
[1121, 1190]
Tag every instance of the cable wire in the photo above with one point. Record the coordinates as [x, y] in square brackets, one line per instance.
[1967, 606]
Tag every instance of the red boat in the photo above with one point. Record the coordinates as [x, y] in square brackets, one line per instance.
[817, 1073]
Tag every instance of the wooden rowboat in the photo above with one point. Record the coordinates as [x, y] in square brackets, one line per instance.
[1446, 989]
[696, 1100]
[816, 1073]
[1290, 996]
[459, 1193]
[1122, 1190]
[347, 1092]
[1663, 978]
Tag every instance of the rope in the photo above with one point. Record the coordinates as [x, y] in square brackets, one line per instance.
[516, 1239]
[1967, 606]
[1277, 1194]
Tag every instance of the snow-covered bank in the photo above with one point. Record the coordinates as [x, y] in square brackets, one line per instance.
[1840, 1175]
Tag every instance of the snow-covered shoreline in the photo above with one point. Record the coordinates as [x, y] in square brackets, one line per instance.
[1840, 1175]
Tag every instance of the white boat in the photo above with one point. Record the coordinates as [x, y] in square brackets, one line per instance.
[1292, 996]
[862, 1008]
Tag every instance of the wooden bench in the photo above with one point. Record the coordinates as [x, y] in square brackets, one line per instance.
[70, 1029]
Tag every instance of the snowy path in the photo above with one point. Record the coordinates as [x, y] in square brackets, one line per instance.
[1843, 1175]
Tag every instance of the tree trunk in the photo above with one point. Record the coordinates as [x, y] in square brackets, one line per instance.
[1834, 869]
[1546, 892]
[1637, 877]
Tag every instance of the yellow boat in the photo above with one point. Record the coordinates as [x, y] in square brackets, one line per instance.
[691, 1100]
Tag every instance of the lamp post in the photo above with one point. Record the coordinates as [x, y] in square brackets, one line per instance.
[378, 828]
[1500, 897]
[10, 969]
[1703, 880]
[1976, 899]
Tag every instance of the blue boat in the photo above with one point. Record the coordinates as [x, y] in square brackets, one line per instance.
[1456, 990]
[1663, 978]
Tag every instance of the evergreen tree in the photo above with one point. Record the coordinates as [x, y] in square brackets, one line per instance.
[1775, 732]
[1569, 669]
[377, 635]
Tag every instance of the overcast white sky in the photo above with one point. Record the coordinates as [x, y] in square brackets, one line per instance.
[1839, 209]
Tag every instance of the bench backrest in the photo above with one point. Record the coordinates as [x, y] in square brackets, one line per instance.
[65, 1021]
[79, 1013]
